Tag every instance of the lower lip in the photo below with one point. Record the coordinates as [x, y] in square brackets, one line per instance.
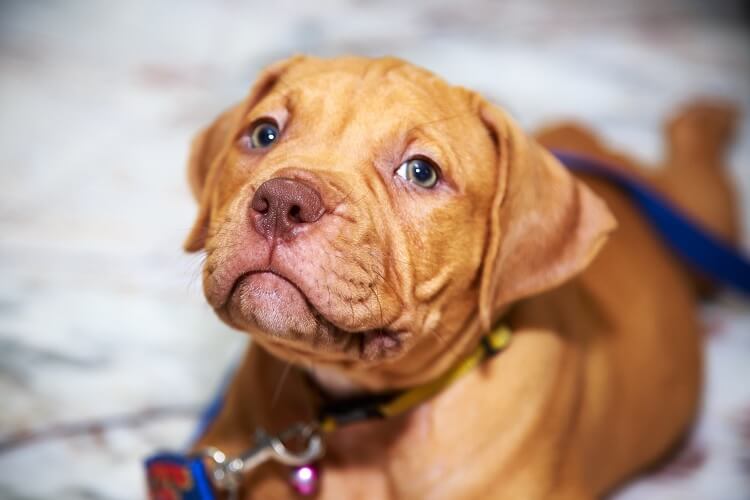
[270, 300]
[275, 306]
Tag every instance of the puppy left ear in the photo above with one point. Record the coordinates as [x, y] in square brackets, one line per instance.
[208, 147]
[211, 145]
[545, 226]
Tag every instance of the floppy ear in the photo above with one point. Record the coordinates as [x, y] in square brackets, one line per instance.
[545, 226]
[210, 147]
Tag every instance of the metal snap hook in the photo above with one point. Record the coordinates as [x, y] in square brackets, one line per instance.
[226, 473]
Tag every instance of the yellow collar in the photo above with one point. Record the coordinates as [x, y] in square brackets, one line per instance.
[334, 415]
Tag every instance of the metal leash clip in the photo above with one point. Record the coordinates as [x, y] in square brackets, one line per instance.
[226, 472]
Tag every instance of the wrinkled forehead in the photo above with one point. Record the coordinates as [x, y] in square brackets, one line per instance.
[376, 89]
[378, 103]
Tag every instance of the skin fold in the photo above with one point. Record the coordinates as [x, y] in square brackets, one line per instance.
[382, 284]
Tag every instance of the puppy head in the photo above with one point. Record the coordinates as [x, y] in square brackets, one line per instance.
[366, 216]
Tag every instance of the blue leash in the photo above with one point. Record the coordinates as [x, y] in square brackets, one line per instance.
[214, 407]
[703, 251]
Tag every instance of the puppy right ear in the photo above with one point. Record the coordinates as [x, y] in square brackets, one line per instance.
[210, 147]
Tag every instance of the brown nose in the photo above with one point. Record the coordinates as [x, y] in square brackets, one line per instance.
[282, 205]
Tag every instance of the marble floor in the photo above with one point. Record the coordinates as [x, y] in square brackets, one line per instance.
[107, 350]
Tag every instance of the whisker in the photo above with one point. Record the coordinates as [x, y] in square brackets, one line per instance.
[197, 267]
[280, 384]
[439, 337]
[393, 257]
[385, 282]
[380, 306]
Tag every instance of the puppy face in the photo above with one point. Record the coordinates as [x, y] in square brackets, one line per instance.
[351, 213]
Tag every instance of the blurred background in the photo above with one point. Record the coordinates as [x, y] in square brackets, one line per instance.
[107, 348]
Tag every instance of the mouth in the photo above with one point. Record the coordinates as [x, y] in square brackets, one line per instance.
[280, 316]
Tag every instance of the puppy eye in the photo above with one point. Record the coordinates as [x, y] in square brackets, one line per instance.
[264, 135]
[419, 171]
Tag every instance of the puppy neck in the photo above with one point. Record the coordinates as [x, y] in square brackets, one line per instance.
[422, 363]
[334, 383]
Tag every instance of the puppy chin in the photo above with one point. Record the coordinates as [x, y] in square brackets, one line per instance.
[267, 302]
[280, 319]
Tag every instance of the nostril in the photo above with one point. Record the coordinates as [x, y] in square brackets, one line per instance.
[260, 204]
[295, 213]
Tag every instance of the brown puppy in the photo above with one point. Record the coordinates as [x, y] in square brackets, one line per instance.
[367, 223]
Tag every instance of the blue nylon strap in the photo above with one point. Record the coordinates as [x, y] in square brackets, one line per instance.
[172, 476]
[701, 250]
[211, 412]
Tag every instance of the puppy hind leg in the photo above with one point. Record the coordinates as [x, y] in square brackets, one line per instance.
[693, 174]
